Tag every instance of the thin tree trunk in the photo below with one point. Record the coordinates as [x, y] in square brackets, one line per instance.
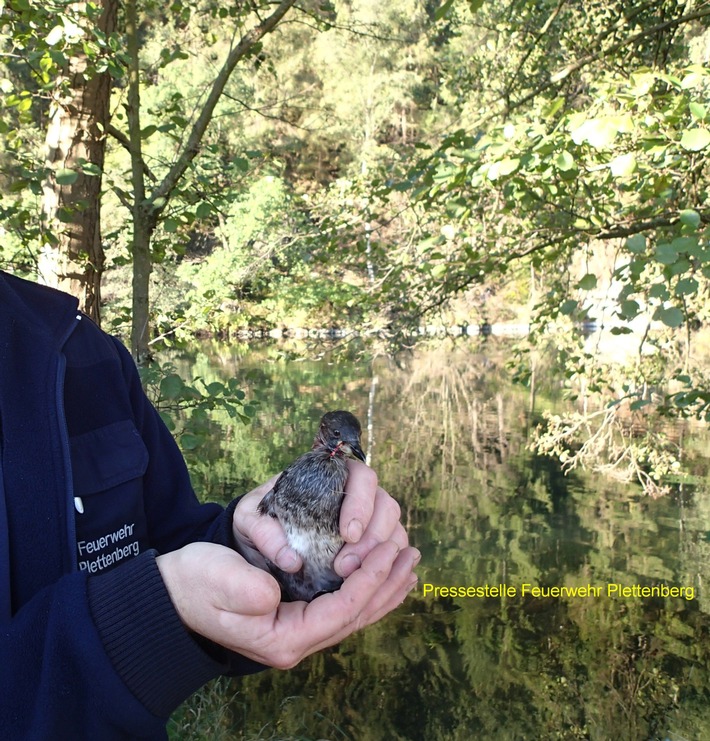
[72, 257]
[142, 226]
[147, 208]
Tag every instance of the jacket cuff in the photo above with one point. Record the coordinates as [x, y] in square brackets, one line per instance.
[222, 531]
[149, 647]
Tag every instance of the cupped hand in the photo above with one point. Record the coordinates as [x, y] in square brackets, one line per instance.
[222, 597]
[369, 516]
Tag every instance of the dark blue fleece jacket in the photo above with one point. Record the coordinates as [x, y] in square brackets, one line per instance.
[92, 486]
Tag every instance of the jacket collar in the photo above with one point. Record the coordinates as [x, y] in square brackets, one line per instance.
[40, 309]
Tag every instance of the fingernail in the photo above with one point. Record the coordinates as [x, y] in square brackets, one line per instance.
[287, 558]
[412, 584]
[417, 559]
[355, 531]
[349, 564]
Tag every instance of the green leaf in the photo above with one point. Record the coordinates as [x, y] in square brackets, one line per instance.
[65, 176]
[215, 388]
[190, 442]
[623, 165]
[171, 225]
[168, 421]
[203, 210]
[148, 131]
[666, 254]
[502, 168]
[671, 317]
[686, 287]
[552, 108]
[443, 10]
[691, 80]
[636, 243]
[600, 133]
[565, 162]
[171, 386]
[694, 140]
[681, 265]
[89, 168]
[698, 111]
[658, 290]
[629, 309]
[568, 307]
[690, 218]
[588, 282]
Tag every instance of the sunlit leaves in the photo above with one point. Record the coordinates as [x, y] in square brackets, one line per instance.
[503, 168]
[698, 110]
[565, 161]
[55, 36]
[695, 140]
[616, 170]
[624, 165]
[601, 132]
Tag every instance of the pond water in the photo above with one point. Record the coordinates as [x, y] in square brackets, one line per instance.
[446, 431]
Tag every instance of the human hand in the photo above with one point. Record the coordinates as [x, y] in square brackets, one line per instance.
[219, 595]
[369, 516]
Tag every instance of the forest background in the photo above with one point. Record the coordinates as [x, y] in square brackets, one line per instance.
[191, 168]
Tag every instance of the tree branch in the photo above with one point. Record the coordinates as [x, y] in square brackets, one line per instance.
[125, 142]
[578, 64]
[536, 41]
[162, 193]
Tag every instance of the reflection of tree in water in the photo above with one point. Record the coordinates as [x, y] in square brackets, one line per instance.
[450, 444]
[449, 669]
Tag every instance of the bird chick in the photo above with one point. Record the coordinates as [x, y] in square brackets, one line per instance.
[306, 500]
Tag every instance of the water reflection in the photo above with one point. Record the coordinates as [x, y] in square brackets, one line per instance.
[447, 435]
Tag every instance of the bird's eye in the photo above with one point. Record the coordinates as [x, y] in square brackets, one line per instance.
[336, 433]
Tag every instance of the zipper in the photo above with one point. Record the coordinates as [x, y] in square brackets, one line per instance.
[71, 504]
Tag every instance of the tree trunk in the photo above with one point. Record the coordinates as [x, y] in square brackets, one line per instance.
[143, 221]
[72, 256]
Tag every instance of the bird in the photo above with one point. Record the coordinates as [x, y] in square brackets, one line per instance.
[306, 500]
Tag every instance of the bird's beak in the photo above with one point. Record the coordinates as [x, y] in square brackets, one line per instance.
[356, 450]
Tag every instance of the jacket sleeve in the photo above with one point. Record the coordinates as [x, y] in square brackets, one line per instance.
[103, 657]
[175, 517]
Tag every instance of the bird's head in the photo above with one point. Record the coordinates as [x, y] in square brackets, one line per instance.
[340, 432]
